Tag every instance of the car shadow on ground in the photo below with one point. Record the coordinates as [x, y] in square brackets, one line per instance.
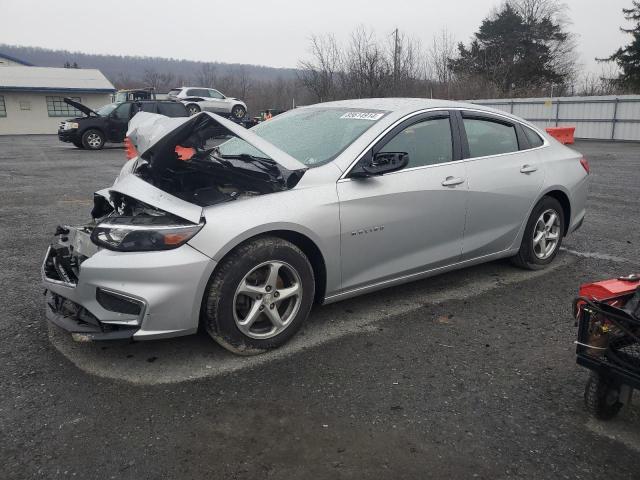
[197, 356]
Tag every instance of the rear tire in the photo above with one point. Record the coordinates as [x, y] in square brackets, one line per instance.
[238, 112]
[193, 108]
[259, 296]
[602, 397]
[542, 236]
[93, 139]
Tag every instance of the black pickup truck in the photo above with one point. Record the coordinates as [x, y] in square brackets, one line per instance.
[109, 123]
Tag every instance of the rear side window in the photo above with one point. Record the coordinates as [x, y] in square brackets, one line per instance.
[147, 107]
[197, 92]
[427, 143]
[487, 137]
[174, 92]
[533, 137]
[171, 109]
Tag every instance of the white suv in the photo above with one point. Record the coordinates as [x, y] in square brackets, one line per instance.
[198, 99]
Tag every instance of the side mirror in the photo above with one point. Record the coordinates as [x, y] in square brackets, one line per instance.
[383, 162]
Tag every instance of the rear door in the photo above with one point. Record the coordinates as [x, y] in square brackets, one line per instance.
[505, 177]
[408, 221]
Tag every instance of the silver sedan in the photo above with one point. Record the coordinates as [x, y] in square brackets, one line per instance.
[242, 231]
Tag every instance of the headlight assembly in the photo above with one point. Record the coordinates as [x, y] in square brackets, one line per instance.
[71, 125]
[124, 234]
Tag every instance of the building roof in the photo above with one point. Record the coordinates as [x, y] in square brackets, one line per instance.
[47, 79]
[15, 60]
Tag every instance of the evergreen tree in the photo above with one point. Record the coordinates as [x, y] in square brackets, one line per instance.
[628, 57]
[514, 51]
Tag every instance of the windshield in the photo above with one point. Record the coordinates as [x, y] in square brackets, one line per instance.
[313, 136]
[107, 109]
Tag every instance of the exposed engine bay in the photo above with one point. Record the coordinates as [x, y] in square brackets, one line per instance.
[204, 163]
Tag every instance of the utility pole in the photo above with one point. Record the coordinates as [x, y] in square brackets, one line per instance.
[395, 61]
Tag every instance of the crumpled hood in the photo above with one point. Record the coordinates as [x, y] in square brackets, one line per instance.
[147, 129]
[79, 106]
[134, 187]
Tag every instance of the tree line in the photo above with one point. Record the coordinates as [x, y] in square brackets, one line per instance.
[522, 48]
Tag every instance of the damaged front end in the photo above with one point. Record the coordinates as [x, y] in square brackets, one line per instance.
[206, 159]
[130, 273]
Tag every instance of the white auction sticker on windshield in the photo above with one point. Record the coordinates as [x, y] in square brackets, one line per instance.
[363, 116]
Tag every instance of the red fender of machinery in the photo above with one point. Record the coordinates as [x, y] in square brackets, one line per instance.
[610, 289]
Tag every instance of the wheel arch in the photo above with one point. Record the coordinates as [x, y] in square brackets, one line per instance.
[304, 242]
[565, 202]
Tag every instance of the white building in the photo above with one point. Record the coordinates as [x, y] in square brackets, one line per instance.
[31, 97]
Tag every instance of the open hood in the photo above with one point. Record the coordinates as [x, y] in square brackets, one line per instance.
[146, 130]
[134, 187]
[78, 106]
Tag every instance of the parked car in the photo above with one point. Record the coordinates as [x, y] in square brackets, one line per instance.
[109, 123]
[241, 231]
[200, 99]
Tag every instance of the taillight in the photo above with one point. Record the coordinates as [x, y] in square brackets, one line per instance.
[585, 164]
[130, 150]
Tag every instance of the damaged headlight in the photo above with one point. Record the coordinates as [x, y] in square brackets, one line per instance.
[123, 234]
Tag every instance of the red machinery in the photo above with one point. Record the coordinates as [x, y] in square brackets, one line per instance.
[608, 316]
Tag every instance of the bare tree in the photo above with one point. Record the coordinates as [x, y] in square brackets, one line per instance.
[368, 71]
[320, 73]
[151, 78]
[206, 76]
[442, 49]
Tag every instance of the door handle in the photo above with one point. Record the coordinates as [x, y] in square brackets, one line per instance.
[528, 169]
[452, 181]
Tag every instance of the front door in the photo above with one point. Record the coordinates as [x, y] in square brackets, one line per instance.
[408, 221]
[119, 122]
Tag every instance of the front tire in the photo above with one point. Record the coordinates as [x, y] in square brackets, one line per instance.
[259, 296]
[542, 236]
[78, 144]
[193, 108]
[93, 139]
[238, 112]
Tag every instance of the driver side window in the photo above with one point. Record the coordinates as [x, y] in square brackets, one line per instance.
[428, 142]
[122, 112]
[215, 94]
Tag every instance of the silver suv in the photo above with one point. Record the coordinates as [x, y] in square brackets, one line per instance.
[201, 99]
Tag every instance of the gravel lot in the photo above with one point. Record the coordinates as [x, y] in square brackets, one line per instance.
[466, 375]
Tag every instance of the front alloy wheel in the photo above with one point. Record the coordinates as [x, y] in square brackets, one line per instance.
[267, 300]
[93, 139]
[259, 296]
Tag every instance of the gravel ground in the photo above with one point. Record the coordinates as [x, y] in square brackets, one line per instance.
[467, 375]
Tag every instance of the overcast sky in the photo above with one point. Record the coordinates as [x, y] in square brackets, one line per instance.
[267, 32]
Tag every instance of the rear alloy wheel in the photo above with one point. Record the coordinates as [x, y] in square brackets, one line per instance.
[93, 139]
[542, 236]
[192, 108]
[259, 296]
[238, 112]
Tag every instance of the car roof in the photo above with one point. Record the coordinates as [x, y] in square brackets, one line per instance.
[402, 106]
